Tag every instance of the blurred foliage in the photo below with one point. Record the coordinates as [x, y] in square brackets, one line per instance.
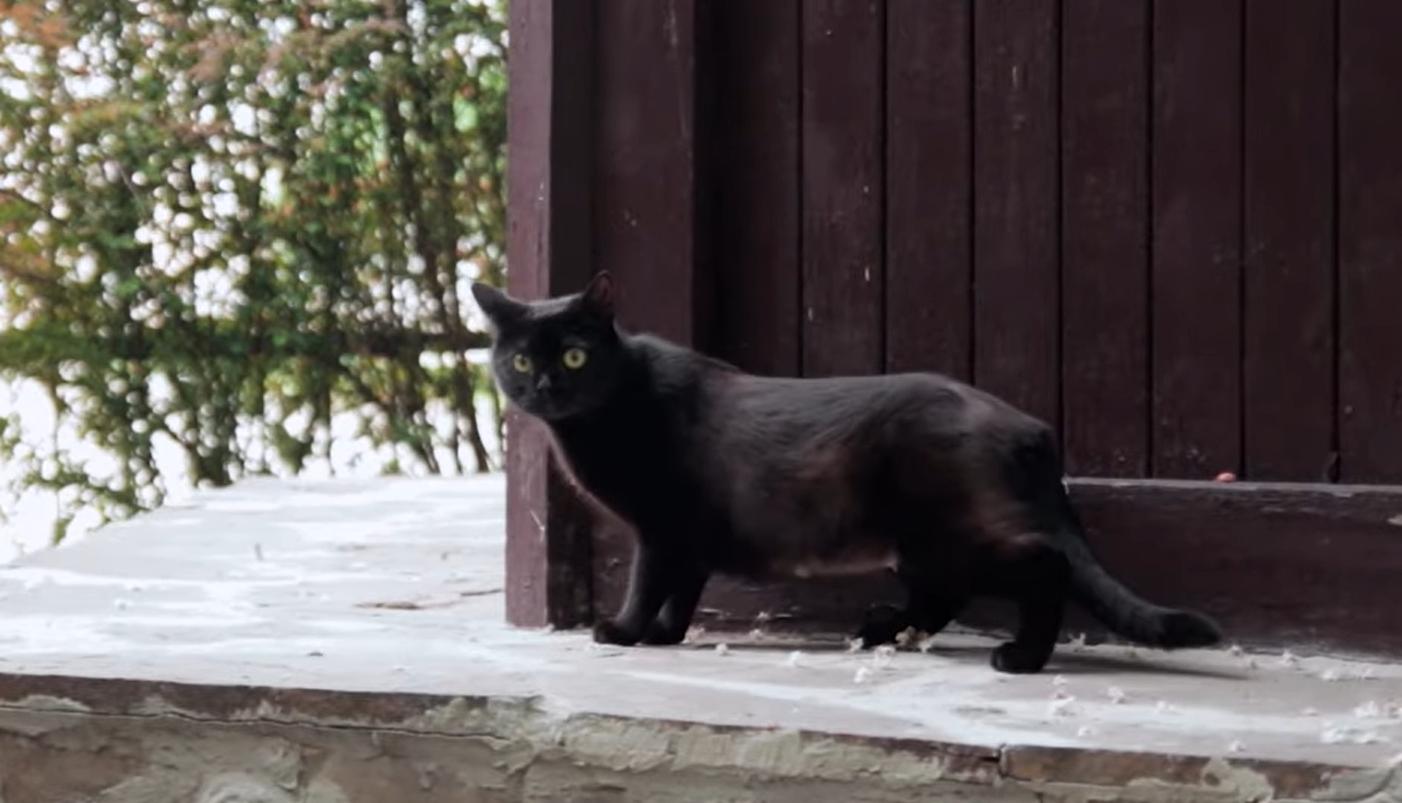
[226, 222]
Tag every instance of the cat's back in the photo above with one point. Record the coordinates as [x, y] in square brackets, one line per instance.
[680, 374]
[676, 375]
[714, 406]
[856, 423]
[884, 397]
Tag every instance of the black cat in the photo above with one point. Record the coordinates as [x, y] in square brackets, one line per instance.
[722, 471]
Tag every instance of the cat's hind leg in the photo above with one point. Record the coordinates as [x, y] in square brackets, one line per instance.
[674, 620]
[1035, 573]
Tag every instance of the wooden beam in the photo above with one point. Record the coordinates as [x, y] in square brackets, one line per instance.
[1284, 564]
[550, 238]
[604, 163]
[1280, 565]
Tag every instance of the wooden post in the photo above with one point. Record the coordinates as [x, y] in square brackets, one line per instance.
[549, 243]
[604, 160]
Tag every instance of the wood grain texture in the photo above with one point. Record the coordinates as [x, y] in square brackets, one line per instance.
[645, 199]
[756, 213]
[1288, 367]
[1196, 273]
[1105, 237]
[1016, 254]
[929, 81]
[1370, 241]
[843, 45]
[548, 562]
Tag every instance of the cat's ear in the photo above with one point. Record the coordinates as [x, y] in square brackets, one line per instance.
[597, 296]
[501, 309]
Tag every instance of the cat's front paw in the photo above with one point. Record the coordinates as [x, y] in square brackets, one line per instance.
[609, 632]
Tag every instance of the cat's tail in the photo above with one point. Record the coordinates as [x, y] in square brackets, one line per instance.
[1128, 614]
[1123, 611]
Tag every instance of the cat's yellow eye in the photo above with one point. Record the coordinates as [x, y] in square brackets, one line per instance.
[521, 363]
[574, 359]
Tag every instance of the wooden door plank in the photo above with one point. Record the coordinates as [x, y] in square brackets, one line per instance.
[843, 93]
[1288, 367]
[645, 193]
[1016, 254]
[1105, 237]
[1370, 241]
[928, 173]
[1196, 271]
[756, 211]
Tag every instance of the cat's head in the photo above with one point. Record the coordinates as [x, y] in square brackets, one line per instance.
[556, 358]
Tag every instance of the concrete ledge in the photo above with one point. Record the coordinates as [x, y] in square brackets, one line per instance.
[69, 739]
[343, 643]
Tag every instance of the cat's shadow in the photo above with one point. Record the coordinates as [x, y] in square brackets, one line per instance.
[1063, 662]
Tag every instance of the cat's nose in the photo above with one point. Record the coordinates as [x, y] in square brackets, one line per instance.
[542, 382]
